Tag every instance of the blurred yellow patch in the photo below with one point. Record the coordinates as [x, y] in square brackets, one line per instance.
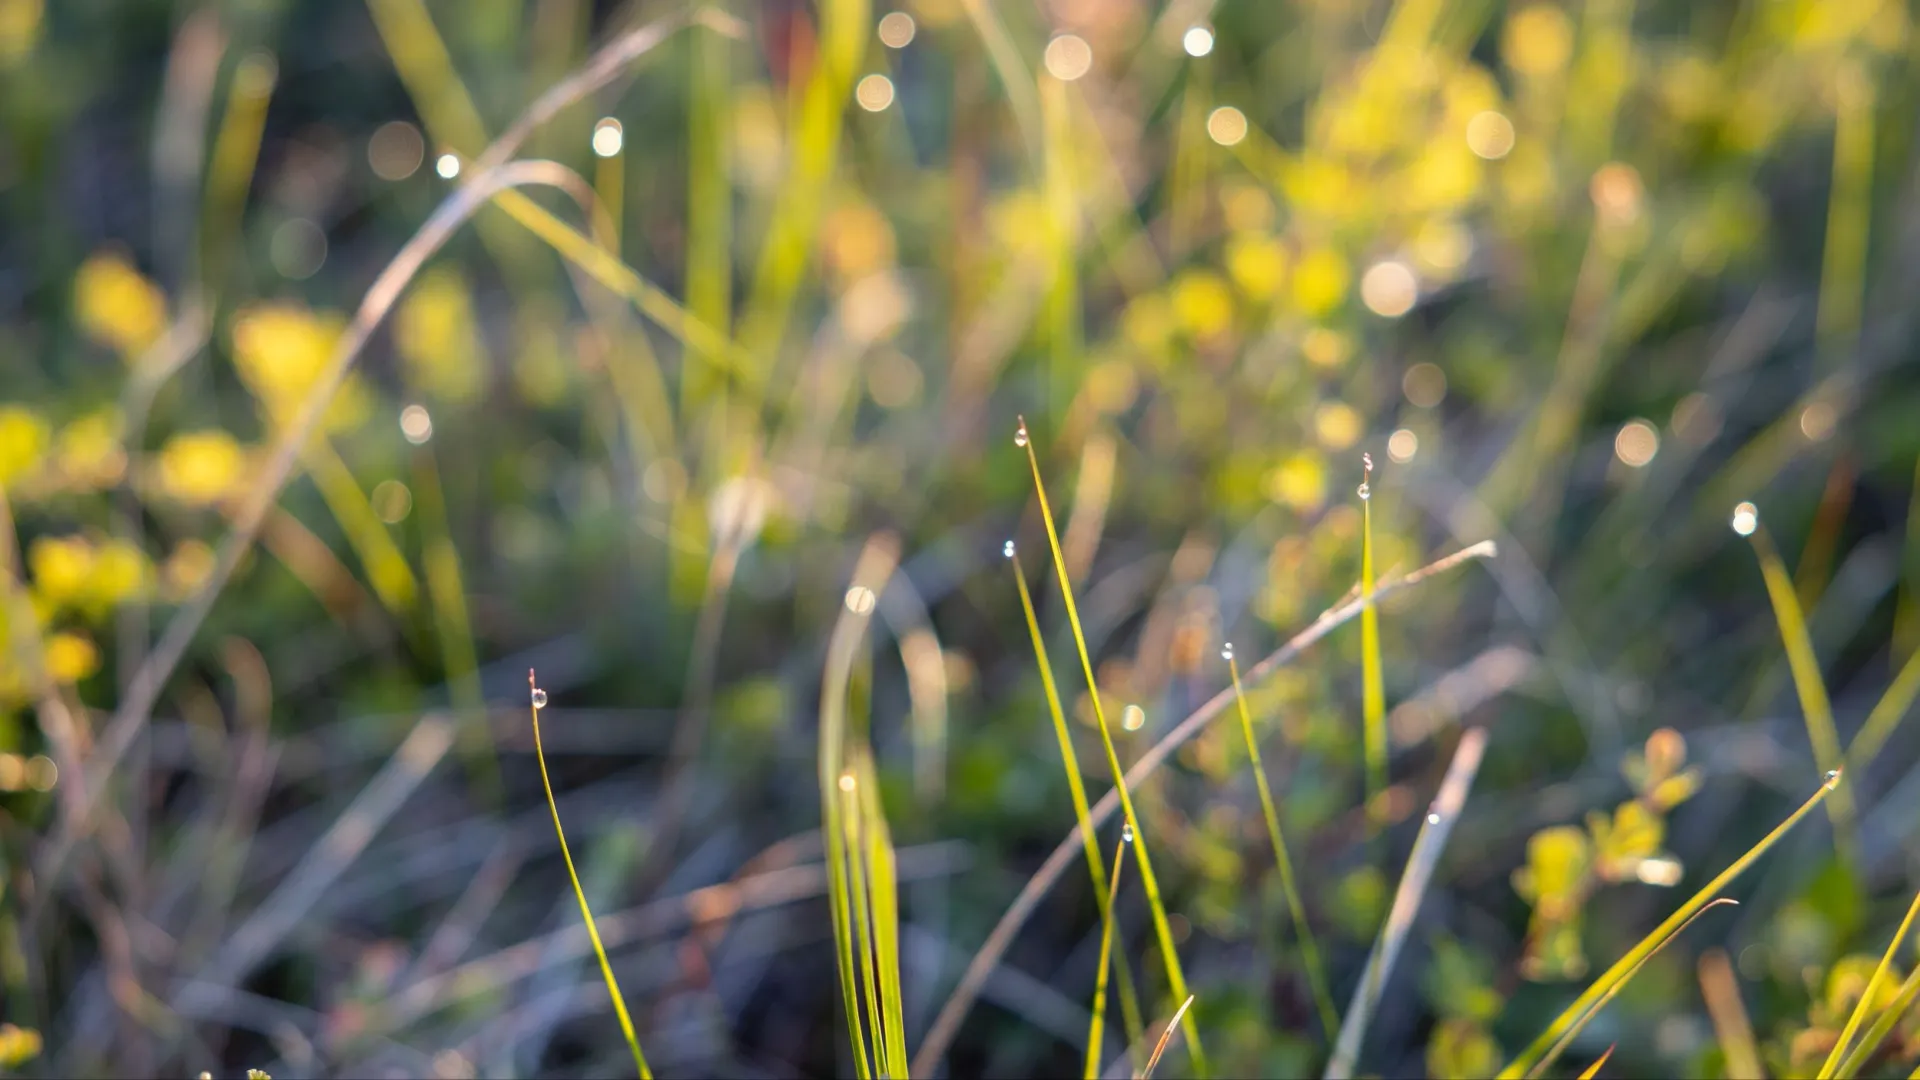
[1203, 304]
[23, 442]
[858, 241]
[1337, 425]
[18, 1045]
[1148, 322]
[200, 468]
[1300, 482]
[70, 657]
[281, 350]
[1326, 348]
[120, 573]
[117, 306]
[1257, 264]
[61, 567]
[1021, 224]
[1538, 40]
[1444, 176]
[186, 569]
[1320, 281]
[435, 336]
[1246, 208]
[89, 451]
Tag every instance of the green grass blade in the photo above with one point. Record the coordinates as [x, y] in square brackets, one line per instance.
[1560, 1045]
[539, 699]
[883, 880]
[1310, 952]
[863, 922]
[1593, 1070]
[1096, 1027]
[1882, 1026]
[1866, 996]
[1625, 966]
[1807, 682]
[1373, 692]
[1887, 714]
[1176, 978]
[1090, 838]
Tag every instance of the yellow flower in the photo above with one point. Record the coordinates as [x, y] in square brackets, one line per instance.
[70, 657]
[1299, 482]
[186, 569]
[18, 1046]
[89, 450]
[62, 567]
[281, 350]
[1337, 425]
[120, 572]
[1257, 264]
[200, 468]
[1320, 281]
[1538, 40]
[23, 440]
[1203, 304]
[115, 305]
[20, 22]
[434, 334]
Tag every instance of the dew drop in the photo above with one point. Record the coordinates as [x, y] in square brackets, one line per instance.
[1226, 651]
[1020, 434]
[1433, 817]
[539, 698]
[1365, 492]
[1126, 834]
[1746, 517]
[1007, 549]
[1833, 779]
[846, 781]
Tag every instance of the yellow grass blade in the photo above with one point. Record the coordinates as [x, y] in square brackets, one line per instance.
[1176, 978]
[1310, 952]
[1887, 714]
[1866, 996]
[1593, 1070]
[539, 701]
[1165, 1037]
[1097, 1025]
[236, 153]
[1373, 693]
[1869, 1044]
[1579, 1025]
[1730, 1021]
[1090, 840]
[1807, 682]
[1626, 965]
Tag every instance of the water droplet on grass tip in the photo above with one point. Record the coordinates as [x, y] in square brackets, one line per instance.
[1746, 517]
[1433, 817]
[539, 698]
[1126, 834]
[846, 781]
[1007, 549]
[1020, 434]
[1833, 779]
[1226, 651]
[1365, 492]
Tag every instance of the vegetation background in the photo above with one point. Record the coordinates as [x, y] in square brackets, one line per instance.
[1577, 277]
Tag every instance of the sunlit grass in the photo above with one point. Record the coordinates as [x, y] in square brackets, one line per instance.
[1869, 994]
[1176, 977]
[1540, 1053]
[1374, 698]
[538, 701]
[1096, 1025]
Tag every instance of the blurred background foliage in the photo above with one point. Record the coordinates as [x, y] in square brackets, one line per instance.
[1579, 276]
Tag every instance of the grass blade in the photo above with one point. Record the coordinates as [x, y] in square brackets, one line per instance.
[1096, 1026]
[1310, 952]
[1165, 1037]
[1176, 978]
[1730, 1021]
[1807, 682]
[1373, 692]
[883, 881]
[1089, 836]
[1866, 996]
[1887, 713]
[1627, 964]
[1882, 1027]
[1406, 899]
[1593, 1070]
[1566, 1040]
[538, 700]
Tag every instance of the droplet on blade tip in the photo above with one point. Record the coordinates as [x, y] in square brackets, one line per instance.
[539, 698]
[1833, 779]
[1433, 817]
[1226, 651]
[1746, 518]
[1366, 492]
[1126, 834]
[1006, 549]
